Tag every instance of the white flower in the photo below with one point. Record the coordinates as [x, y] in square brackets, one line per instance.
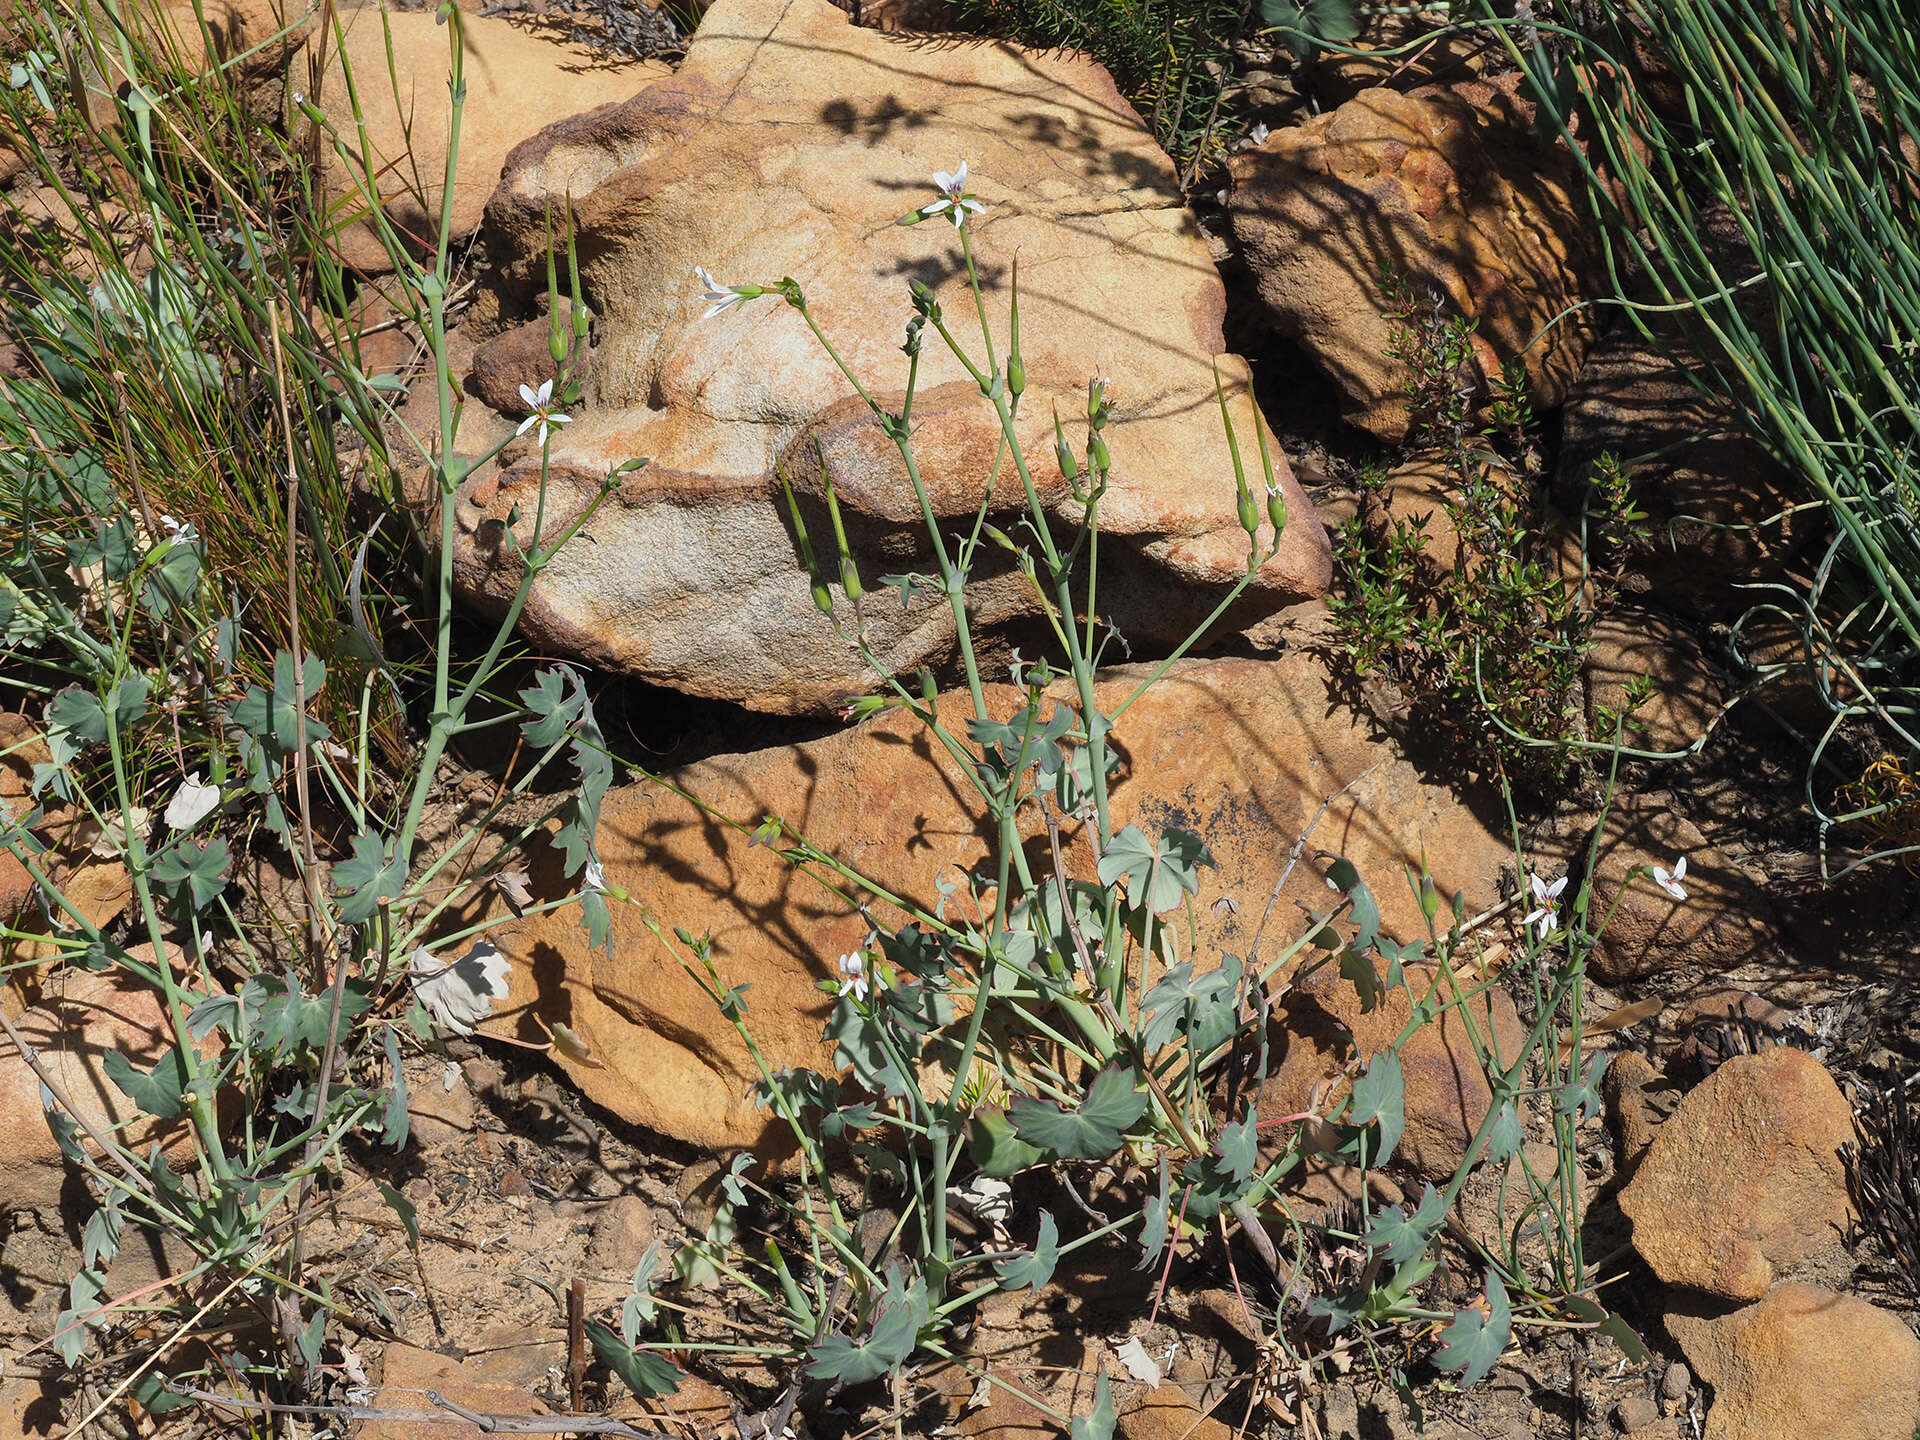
[191, 803]
[540, 402]
[1669, 881]
[724, 296]
[954, 200]
[179, 532]
[853, 976]
[596, 878]
[1545, 897]
[1258, 134]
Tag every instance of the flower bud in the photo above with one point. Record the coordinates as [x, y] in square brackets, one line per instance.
[1069, 467]
[929, 691]
[1016, 376]
[556, 338]
[1249, 513]
[1097, 455]
[1277, 511]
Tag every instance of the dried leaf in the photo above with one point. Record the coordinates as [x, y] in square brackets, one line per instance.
[515, 888]
[1140, 1365]
[191, 803]
[574, 1048]
[1625, 1018]
[461, 995]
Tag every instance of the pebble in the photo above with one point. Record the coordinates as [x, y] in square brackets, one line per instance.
[1677, 1383]
[1636, 1412]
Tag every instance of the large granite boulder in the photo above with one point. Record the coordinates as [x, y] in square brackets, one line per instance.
[787, 145]
[1241, 752]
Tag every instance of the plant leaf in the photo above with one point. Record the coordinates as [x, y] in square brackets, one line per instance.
[1036, 1268]
[197, 871]
[896, 1327]
[994, 1146]
[156, 1093]
[1093, 1131]
[1476, 1337]
[644, 1373]
[1381, 1094]
[368, 878]
[1506, 1135]
[1398, 1237]
[1099, 1424]
[396, 1123]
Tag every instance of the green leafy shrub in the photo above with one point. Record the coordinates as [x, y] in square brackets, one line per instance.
[1485, 645]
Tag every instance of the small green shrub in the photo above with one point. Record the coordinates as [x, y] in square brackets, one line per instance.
[1485, 645]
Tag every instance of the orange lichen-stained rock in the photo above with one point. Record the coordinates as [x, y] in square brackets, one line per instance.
[1318, 1028]
[82, 1017]
[1446, 187]
[1241, 752]
[1745, 1177]
[1804, 1361]
[787, 145]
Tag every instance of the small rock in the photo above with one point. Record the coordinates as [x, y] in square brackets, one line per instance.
[516, 357]
[1340, 1413]
[673, 1063]
[439, 1115]
[1677, 1383]
[1804, 1361]
[1636, 1412]
[406, 1371]
[621, 1235]
[1686, 695]
[1629, 1089]
[516, 83]
[513, 1184]
[1667, 1428]
[84, 1017]
[1168, 1414]
[1709, 492]
[1726, 920]
[1744, 1177]
[98, 889]
[687, 578]
[21, 748]
[1410, 180]
[1318, 1027]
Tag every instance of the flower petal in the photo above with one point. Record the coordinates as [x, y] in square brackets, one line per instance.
[531, 396]
[528, 423]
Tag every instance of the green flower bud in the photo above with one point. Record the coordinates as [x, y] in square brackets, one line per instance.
[1016, 376]
[929, 691]
[1069, 467]
[1097, 455]
[556, 339]
[1249, 513]
[1277, 511]
[822, 597]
